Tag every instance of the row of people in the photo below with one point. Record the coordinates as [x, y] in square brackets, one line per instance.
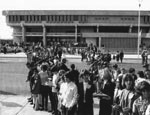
[70, 96]
[129, 88]
[71, 92]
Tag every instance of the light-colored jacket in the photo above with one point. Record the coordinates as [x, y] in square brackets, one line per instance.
[70, 95]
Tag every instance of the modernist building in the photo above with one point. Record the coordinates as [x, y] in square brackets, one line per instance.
[114, 29]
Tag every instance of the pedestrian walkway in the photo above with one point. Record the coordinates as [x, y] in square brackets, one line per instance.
[23, 55]
[13, 55]
[18, 105]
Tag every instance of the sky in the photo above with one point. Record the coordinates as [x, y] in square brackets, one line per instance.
[6, 31]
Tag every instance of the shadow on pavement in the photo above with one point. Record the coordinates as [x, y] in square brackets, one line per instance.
[7, 93]
[10, 104]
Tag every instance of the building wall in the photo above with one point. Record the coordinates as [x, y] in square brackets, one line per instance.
[116, 28]
[81, 19]
[17, 39]
[91, 41]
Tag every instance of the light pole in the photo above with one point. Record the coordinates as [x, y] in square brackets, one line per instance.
[139, 31]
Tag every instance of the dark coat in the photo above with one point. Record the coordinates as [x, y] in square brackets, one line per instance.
[36, 84]
[75, 75]
[106, 105]
[121, 55]
[85, 108]
[64, 67]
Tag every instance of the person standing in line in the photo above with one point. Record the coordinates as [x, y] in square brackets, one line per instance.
[86, 90]
[36, 89]
[115, 72]
[127, 96]
[69, 96]
[132, 72]
[121, 56]
[44, 86]
[62, 86]
[140, 104]
[55, 78]
[117, 93]
[107, 88]
[145, 89]
[30, 66]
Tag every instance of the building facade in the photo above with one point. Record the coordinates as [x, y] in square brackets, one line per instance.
[115, 30]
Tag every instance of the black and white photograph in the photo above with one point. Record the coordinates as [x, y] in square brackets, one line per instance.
[74, 57]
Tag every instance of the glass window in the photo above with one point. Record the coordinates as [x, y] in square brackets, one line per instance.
[75, 18]
[43, 17]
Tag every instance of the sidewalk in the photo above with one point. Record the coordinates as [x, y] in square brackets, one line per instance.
[13, 55]
[18, 105]
[23, 55]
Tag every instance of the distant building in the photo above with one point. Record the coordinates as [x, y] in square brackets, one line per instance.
[115, 30]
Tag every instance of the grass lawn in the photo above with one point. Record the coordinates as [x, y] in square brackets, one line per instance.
[13, 75]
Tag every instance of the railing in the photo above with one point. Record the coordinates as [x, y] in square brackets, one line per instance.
[62, 34]
[34, 33]
[108, 34]
[17, 33]
[147, 35]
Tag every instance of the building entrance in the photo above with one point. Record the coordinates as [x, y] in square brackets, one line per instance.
[60, 40]
[34, 39]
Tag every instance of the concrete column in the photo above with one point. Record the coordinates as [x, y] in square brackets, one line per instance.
[99, 38]
[26, 18]
[76, 33]
[100, 41]
[18, 18]
[40, 18]
[14, 18]
[44, 35]
[97, 28]
[23, 32]
[130, 29]
[8, 19]
[65, 20]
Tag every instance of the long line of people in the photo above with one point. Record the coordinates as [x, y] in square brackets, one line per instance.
[70, 92]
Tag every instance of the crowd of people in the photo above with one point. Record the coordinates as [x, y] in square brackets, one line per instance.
[119, 56]
[10, 48]
[70, 92]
